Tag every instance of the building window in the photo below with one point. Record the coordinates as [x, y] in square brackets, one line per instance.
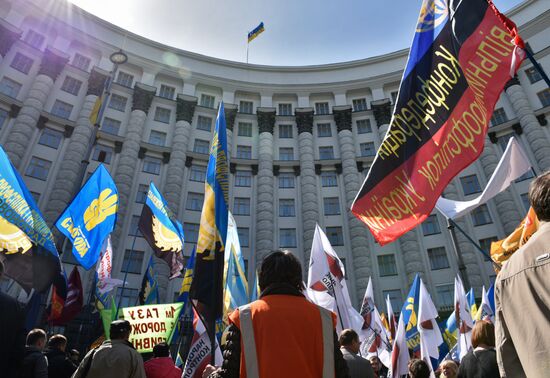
[81, 61]
[386, 265]
[481, 215]
[329, 179]
[201, 146]
[62, 109]
[470, 184]
[166, 91]
[3, 117]
[245, 129]
[285, 131]
[321, 108]
[34, 39]
[133, 262]
[125, 79]
[152, 165]
[244, 152]
[204, 123]
[324, 130]
[129, 297]
[110, 126]
[157, 138]
[485, 245]
[287, 208]
[286, 153]
[51, 138]
[194, 201]
[9, 87]
[359, 104]
[71, 85]
[525, 201]
[396, 299]
[499, 116]
[438, 258]
[335, 235]
[287, 238]
[503, 140]
[198, 173]
[326, 153]
[285, 109]
[38, 168]
[445, 295]
[533, 75]
[134, 226]
[241, 206]
[21, 63]
[431, 226]
[244, 236]
[162, 115]
[331, 205]
[363, 126]
[207, 101]
[367, 149]
[191, 232]
[544, 97]
[393, 97]
[243, 179]
[103, 154]
[286, 180]
[118, 102]
[141, 194]
[246, 107]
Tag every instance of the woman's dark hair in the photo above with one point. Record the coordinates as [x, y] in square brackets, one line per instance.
[280, 267]
[418, 369]
[539, 196]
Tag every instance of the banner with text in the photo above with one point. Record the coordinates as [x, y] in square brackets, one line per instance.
[461, 57]
[152, 324]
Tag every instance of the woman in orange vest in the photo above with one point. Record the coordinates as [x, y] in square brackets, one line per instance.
[282, 334]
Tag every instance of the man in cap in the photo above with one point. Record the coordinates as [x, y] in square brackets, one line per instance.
[114, 358]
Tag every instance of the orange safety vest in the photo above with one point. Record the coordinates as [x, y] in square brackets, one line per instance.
[292, 336]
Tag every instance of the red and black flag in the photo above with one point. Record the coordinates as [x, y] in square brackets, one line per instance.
[462, 55]
[72, 304]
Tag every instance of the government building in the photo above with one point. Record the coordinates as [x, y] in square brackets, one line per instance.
[301, 140]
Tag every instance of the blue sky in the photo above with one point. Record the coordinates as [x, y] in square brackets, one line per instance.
[298, 32]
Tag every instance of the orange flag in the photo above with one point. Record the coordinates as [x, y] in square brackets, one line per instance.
[501, 250]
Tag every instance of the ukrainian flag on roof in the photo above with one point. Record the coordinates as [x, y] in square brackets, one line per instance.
[256, 32]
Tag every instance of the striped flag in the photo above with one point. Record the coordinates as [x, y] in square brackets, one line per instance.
[256, 32]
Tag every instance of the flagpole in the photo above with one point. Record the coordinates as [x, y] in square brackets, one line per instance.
[125, 276]
[334, 283]
[247, 44]
[458, 253]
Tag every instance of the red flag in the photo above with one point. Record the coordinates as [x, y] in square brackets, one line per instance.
[72, 305]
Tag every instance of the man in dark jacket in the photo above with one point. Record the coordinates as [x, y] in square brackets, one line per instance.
[359, 367]
[12, 333]
[35, 364]
[59, 364]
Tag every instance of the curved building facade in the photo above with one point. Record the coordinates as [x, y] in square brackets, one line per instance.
[301, 140]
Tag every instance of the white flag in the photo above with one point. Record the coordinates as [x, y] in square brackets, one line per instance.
[104, 281]
[485, 311]
[326, 279]
[430, 335]
[391, 318]
[513, 164]
[400, 352]
[464, 322]
[373, 335]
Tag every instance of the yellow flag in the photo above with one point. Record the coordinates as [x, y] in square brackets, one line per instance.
[501, 250]
[95, 110]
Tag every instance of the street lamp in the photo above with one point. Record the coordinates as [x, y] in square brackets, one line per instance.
[118, 57]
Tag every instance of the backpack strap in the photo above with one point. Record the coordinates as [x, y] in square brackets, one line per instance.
[328, 343]
[249, 342]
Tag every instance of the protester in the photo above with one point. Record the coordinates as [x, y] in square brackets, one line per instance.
[449, 369]
[481, 361]
[35, 364]
[113, 358]
[59, 364]
[522, 297]
[380, 371]
[350, 345]
[12, 330]
[418, 369]
[74, 355]
[288, 335]
[161, 365]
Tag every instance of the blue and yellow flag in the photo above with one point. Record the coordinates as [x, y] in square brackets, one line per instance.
[187, 278]
[90, 217]
[256, 32]
[470, 297]
[491, 297]
[255, 292]
[235, 282]
[149, 293]
[163, 232]
[207, 285]
[410, 315]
